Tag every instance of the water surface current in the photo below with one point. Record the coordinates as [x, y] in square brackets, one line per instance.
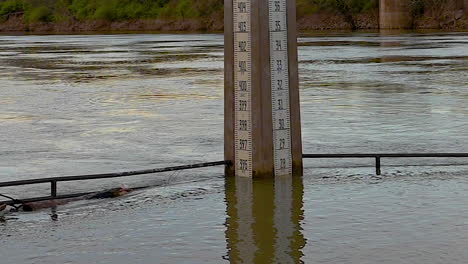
[82, 104]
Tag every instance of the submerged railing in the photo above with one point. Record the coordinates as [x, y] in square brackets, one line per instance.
[54, 180]
[379, 156]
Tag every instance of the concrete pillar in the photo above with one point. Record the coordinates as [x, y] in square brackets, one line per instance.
[262, 112]
[395, 14]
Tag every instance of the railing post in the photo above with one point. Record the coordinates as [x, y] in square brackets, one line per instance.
[377, 165]
[53, 188]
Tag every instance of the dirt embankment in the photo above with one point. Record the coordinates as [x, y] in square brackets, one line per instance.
[331, 21]
[318, 21]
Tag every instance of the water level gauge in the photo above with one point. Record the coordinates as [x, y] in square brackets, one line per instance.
[262, 117]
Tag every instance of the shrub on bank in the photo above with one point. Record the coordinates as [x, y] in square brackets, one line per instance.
[39, 14]
[114, 10]
[12, 6]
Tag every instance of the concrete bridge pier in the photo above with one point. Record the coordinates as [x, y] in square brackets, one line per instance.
[395, 14]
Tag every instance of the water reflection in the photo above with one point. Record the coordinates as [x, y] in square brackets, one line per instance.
[264, 220]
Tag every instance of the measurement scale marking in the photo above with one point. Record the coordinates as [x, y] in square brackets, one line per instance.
[280, 86]
[243, 87]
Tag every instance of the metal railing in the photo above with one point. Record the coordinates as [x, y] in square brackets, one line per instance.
[379, 156]
[54, 180]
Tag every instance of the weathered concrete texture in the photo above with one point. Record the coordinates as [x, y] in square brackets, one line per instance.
[395, 14]
[405, 14]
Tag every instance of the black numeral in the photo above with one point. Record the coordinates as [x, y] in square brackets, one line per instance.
[277, 25]
[280, 104]
[282, 142]
[242, 105]
[243, 125]
[278, 44]
[282, 164]
[243, 86]
[242, 45]
[279, 65]
[242, 26]
[242, 66]
[242, 7]
[280, 84]
[243, 165]
[243, 144]
[277, 6]
[281, 123]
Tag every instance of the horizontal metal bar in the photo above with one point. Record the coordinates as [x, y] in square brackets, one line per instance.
[58, 197]
[378, 156]
[112, 175]
[387, 155]
[46, 198]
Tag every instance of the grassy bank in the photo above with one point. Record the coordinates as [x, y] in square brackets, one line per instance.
[109, 10]
[185, 15]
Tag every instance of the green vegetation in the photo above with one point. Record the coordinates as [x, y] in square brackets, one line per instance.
[10, 7]
[115, 10]
[119, 10]
[40, 13]
[112, 10]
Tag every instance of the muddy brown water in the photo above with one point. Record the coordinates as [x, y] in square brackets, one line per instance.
[81, 104]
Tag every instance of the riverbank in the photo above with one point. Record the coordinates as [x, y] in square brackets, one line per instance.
[316, 22]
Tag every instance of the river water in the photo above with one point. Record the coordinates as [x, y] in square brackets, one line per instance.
[81, 104]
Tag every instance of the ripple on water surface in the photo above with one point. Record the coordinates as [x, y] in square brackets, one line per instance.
[94, 104]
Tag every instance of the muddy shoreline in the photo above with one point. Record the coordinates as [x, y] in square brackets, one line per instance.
[316, 22]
